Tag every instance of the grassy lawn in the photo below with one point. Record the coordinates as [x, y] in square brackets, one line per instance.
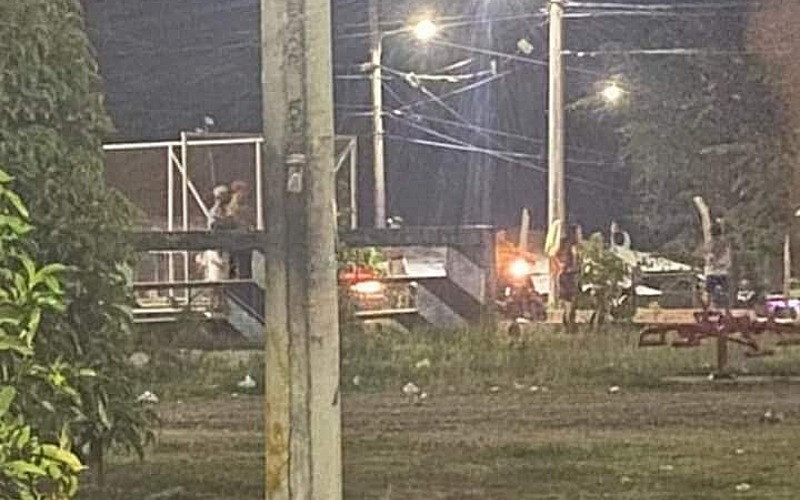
[483, 434]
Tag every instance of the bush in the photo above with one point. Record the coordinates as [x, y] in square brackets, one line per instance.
[29, 469]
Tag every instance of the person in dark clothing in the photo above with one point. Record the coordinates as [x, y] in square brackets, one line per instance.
[241, 215]
[569, 265]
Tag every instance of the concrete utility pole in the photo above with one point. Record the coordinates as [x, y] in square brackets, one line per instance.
[303, 413]
[376, 79]
[787, 263]
[556, 195]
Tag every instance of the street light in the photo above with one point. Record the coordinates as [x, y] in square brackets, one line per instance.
[612, 93]
[424, 31]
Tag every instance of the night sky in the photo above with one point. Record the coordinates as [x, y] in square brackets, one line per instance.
[166, 65]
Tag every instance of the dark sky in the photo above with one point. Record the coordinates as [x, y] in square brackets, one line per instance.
[167, 64]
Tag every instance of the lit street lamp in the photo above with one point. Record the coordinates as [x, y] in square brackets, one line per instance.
[424, 31]
[612, 93]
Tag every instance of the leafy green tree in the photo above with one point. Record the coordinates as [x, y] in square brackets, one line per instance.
[602, 273]
[706, 126]
[29, 468]
[52, 121]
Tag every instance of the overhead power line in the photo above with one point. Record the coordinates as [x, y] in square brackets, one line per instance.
[507, 156]
[649, 14]
[508, 56]
[670, 52]
[400, 26]
[463, 123]
[460, 90]
[732, 4]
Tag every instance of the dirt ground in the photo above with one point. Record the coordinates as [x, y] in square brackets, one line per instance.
[678, 441]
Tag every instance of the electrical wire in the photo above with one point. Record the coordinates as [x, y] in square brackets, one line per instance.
[450, 109]
[464, 123]
[511, 57]
[410, 76]
[638, 13]
[460, 90]
[663, 6]
[501, 155]
[442, 22]
[671, 52]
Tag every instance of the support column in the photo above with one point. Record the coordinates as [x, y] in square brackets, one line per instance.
[302, 418]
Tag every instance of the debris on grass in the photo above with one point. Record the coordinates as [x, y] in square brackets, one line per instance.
[666, 468]
[743, 487]
[739, 451]
[147, 397]
[494, 389]
[246, 383]
[534, 388]
[772, 417]
[423, 364]
[625, 480]
[139, 359]
[419, 398]
[357, 380]
[614, 389]
[518, 386]
[169, 494]
[411, 389]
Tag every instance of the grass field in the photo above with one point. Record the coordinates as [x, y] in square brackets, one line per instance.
[483, 434]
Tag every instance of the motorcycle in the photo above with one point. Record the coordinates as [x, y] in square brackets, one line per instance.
[519, 301]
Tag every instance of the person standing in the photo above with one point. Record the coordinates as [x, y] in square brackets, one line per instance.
[569, 266]
[215, 262]
[241, 216]
[218, 215]
[718, 259]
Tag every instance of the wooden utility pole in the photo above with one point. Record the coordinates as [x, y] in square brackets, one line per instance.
[302, 418]
[376, 80]
[556, 196]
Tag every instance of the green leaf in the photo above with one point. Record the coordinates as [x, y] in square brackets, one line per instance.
[101, 411]
[64, 456]
[64, 441]
[14, 344]
[21, 468]
[16, 201]
[7, 395]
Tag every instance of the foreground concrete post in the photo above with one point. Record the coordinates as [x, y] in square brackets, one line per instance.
[302, 419]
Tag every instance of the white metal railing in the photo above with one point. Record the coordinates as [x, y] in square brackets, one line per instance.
[176, 160]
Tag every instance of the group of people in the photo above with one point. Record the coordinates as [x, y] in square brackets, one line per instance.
[563, 249]
[230, 211]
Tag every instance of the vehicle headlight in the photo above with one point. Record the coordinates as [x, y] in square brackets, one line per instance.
[520, 268]
[370, 287]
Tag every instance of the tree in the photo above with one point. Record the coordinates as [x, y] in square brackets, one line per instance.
[706, 126]
[603, 274]
[52, 121]
[773, 35]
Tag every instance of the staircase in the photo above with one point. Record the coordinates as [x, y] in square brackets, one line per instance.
[228, 312]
